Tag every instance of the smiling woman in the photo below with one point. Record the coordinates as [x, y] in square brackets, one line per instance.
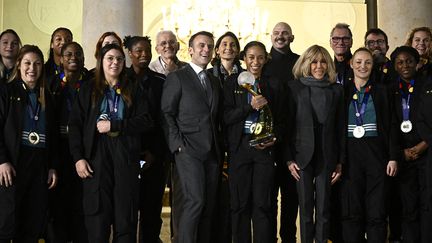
[106, 121]
[315, 153]
[10, 43]
[153, 150]
[59, 37]
[371, 153]
[28, 146]
[65, 88]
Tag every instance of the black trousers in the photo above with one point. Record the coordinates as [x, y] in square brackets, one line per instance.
[394, 205]
[24, 206]
[364, 191]
[221, 229]
[194, 184]
[335, 213]
[416, 201]
[314, 191]
[66, 222]
[288, 204]
[152, 187]
[251, 174]
[111, 196]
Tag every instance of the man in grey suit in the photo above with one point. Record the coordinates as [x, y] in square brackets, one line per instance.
[190, 102]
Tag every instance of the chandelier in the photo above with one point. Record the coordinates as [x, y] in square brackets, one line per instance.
[242, 17]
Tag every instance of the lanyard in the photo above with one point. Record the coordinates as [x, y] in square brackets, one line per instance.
[359, 112]
[58, 70]
[113, 103]
[33, 112]
[69, 92]
[406, 98]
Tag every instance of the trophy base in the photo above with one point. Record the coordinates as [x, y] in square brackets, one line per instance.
[261, 139]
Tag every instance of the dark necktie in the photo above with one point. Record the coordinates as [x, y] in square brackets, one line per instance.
[203, 78]
[205, 83]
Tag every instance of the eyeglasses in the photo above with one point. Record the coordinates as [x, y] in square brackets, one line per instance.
[111, 59]
[336, 39]
[379, 42]
[69, 55]
[170, 43]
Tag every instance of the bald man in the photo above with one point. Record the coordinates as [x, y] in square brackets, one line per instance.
[280, 65]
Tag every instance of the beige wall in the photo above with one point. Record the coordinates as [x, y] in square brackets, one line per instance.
[398, 17]
[311, 21]
[34, 20]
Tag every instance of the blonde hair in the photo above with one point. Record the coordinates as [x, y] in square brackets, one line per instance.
[410, 38]
[302, 66]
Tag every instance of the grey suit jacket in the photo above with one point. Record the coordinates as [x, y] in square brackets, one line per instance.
[191, 121]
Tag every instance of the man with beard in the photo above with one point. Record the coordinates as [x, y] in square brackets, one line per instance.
[280, 65]
[167, 47]
[376, 41]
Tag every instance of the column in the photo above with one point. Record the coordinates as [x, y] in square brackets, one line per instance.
[124, 17]
[398, 17]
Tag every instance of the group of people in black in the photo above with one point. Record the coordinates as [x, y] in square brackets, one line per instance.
[85, 154]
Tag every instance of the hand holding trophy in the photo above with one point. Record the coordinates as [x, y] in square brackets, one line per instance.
[262, 129]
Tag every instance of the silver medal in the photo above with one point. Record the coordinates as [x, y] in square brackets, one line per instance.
[359, 132]
[33, 138]
[406, 126]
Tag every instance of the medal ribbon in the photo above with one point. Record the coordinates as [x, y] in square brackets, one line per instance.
[113, 103]
[360, 112]
[406, 98]
[70, 93]
[33, 113]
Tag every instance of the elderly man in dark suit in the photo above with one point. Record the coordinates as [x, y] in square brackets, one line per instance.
[190, 102]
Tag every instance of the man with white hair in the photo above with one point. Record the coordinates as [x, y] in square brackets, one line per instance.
[167, 47]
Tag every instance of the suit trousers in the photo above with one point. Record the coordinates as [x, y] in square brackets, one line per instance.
[314, 191]
[24, 205]
[251, 180]
[116, 195]
[194, 185]
[364, 191]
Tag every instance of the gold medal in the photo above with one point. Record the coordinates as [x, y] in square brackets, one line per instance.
[33, 138]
